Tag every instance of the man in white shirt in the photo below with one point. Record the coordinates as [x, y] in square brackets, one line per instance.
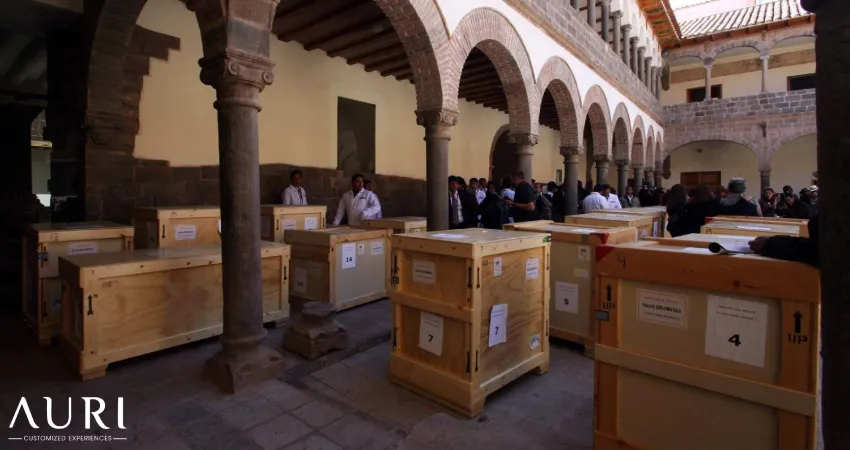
[613, 200]
[367, 184]
[358, 204]
[595, 200]
[295, 194]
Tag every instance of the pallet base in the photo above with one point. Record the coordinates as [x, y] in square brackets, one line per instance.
[455, 393]
[569, 336]
[296, 302]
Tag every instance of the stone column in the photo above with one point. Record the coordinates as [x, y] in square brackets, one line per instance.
[648, 175]
[765, 180]
[437, 125]
[833, 115]
[622, 176]
[606, 19]
[574, 4]
[601, 168]
[571, 158]
[634, 56]
[764, 59]
[707, 64]
[591, 13]
[647, 65]
[524, 151]
[627, 48]
[236, 63]
[659, 173]
[618, 37]
[638, 181]
[640, 63]
[653, 75]
[657, 81]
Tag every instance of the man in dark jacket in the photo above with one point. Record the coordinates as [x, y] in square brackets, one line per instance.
[463, 207]
[789, 248]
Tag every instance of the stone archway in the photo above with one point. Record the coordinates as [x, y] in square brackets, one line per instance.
[502, 158]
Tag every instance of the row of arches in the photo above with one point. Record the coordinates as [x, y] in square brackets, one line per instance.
[763, 47]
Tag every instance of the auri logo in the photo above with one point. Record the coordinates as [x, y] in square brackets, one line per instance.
[93, 408]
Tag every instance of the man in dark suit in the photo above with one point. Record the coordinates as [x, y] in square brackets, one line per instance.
[463, 207]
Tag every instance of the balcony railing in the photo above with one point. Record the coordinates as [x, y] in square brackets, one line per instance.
[718, 110]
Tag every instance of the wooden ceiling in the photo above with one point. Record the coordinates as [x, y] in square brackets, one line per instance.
[359, 32]
[662, 20]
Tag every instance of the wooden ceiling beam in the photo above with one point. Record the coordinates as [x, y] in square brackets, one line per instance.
[490, 82]
[343, 39]
[291, 20]
[377, 56]
[474, 90]
[468, 72]
[360, 48]
[340, 19]
[388, 63]
[484, 76]
[402, 70]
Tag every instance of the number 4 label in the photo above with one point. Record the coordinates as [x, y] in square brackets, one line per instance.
[736, 330]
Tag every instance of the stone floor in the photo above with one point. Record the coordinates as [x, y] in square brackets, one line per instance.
[344, 401]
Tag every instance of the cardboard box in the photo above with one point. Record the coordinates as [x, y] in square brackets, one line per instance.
[276, 219]
[470, 312]
[170, 227]
[703, 352]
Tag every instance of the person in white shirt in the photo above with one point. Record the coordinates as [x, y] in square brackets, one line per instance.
[475, 190]
[613, 200]
[295, 194]
[595, 200]
[358, 204]
[367, 184]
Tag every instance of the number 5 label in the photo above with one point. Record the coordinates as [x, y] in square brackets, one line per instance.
[736, 330]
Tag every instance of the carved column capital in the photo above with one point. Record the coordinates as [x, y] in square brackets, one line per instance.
[523, 139]
[659, 166]
[241, 74]
[707, 62]
[601, 158]
[649, 168]
[571, 153]
[641, 51]
[437, 122]
[605, 2]
[617, 15]
[622, 164]
[637, 166]
[634, 39]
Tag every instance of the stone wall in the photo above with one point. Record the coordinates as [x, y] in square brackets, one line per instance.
[771, 103]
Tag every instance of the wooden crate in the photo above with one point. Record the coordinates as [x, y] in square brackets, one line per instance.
[276, 219]
[615, 220]
[724, 349]
[447, 285]
[572, 273]
[749, 229]
[121, 305]
[398, 224]
[43, 244]
[802, 223]
[344, 266]
[703, 240]
[658, 214]
[170, 227]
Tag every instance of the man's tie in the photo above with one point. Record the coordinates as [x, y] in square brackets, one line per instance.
[300, 196]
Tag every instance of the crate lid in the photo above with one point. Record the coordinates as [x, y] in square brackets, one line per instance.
[176, 212]
[70, 226]
[333, 236]
[779, 220]
[754, 226]
[74, 231]
[411, 220]
[585, 234]
[666, 261]
[148, 256]
[633, 220]
[293, 209]
[697, 237]
[651, 211]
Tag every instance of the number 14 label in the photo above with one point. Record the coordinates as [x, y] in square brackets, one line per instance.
[736, 330]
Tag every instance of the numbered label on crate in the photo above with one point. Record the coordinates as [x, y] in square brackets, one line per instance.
[581, 273]
[185, 233]
[534, 342]
[361, 249]
[289, 224]
[349, 256]
[736, 330]
[662, 308]
[566, 297]
[310, 223]
[431, 333]
[655, 229]
[299, 280]
[584, 253]
[82, 248]
[532, 268]
[497, 266]
[498, 324]
[377, 248]
[424, 272]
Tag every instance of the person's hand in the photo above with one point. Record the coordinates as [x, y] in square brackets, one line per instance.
[509, 202]
[757, 244]
[747, 198]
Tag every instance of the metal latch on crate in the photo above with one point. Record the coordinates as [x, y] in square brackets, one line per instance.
[602, 316]
[42, 255]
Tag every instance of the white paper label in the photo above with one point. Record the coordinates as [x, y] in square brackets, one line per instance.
[498, 324]
[289, 224]
[584, 253]
[424, 272]
[566, 297]
[299, 280]
[698, 250]
[185, 233]
[583, 230]
[310, 223]
[736, 330]
[431, 333]
[534, 342]
[314, 268]
[581, 273]
[152, 232]
[449, 236]
[532, 268]
[663, 308]
[497, 266]
[655, 229]
[82, 248]
[377, 248]
[643, 234]
[753, 228]
[349, 256]
[361, 249]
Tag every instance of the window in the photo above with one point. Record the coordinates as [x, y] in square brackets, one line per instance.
[800, 82]
[698, 94]
[355, 136]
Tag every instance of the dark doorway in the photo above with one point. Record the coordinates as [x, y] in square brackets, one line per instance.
[503, 161]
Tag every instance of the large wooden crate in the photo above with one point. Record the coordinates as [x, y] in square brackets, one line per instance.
[702, 241]
[170, 227]
[121, 305]
[398, 224]
[531, 223]
[43, 244]
[276, 219]
[572, 275]
[802, 223]
[658, 214]
[704, 351]
[344, 266]
[452, 292]
[643, 223]
[749, 228]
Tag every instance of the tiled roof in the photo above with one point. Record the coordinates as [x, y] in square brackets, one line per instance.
[743, 18]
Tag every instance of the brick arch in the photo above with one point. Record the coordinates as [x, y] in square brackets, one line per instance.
[492, 33]
[596, 111]
[638, 138]
[649, 148]
[557, 77]
[622, 138]
[692, 53]
[790, 33]
[659, 150]
[745, 134]
[759, 46]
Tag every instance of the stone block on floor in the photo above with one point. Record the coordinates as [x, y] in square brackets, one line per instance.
[315, 332]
